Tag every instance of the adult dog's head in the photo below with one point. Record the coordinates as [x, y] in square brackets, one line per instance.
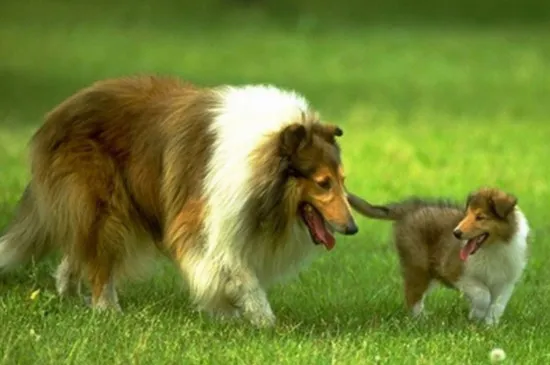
[311, 161]
[298, 178]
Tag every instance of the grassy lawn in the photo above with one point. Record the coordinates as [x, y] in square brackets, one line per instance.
[429, 111]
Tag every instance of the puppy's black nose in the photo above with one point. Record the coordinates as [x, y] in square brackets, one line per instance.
[457, 233]
[351, 229]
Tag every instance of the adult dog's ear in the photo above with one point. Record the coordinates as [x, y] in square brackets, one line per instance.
[329, 131]
[293, 138]
[469, 200]
[503, 204]
[335, 130]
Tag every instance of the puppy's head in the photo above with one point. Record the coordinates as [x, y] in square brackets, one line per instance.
[489, 219]
[312, 160]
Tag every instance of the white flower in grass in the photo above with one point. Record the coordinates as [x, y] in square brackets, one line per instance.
[497, 355]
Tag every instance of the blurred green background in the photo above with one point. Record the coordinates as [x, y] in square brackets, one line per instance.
[50, 48]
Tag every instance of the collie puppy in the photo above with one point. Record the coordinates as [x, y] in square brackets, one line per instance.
[237, 185]
[481, 251]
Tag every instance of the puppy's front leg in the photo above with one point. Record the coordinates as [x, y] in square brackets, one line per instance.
[479, 295]
[501, 297]
[246, 293]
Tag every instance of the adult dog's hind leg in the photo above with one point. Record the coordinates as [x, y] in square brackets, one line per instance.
[68, 278]
[92, 216]
[104, 295]
[108, 256]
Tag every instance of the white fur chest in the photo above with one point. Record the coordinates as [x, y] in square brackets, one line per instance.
[501, 263]
[273, 266]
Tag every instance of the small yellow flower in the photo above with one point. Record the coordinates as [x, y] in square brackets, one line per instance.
[34, 294]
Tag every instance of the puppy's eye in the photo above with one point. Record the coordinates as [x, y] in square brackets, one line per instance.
[479, 217]
[325, 184]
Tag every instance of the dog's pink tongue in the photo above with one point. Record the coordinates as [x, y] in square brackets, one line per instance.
[467, 249]
[322, 234]
[329, 240]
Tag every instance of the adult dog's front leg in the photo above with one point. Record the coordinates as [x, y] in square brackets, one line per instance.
[246, 293]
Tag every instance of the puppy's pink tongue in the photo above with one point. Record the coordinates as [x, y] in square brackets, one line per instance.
[467, 250]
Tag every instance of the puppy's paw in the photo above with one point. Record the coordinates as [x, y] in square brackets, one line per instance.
[476, 314]
[418, 311]
[491, 319]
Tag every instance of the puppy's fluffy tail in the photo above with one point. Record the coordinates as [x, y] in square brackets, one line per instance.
[26, 237]
[390, 211]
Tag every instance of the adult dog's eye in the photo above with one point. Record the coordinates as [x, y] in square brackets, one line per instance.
[479, 217]
[325, 184]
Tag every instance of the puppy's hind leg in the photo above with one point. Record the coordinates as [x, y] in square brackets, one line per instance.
[417, 284]
[414, 263]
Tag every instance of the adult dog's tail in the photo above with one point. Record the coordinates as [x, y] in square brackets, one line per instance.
[390, 211]
[26, 236]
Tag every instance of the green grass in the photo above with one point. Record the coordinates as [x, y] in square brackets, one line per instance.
[430, 111]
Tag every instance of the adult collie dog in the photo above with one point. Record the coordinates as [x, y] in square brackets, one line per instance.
[237, 185]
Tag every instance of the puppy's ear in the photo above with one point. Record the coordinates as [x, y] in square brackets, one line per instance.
[293, 138]
[503, 204]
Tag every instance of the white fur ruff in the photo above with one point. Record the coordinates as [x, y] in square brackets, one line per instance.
[229, 267]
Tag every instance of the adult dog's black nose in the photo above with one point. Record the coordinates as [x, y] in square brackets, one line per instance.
[351, 229]
[457, 233]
